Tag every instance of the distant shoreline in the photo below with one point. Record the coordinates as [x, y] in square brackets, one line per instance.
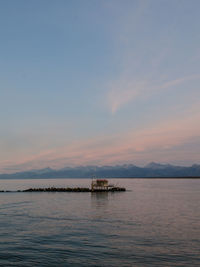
[51, 178]
[151, 171]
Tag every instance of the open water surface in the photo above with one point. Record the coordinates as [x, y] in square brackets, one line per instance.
[155, 223]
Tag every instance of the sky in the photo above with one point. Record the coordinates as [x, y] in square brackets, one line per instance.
[99, 83]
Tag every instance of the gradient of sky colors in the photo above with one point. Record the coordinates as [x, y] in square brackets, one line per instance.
[99, 82]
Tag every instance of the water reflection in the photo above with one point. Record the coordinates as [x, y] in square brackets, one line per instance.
[99, 199]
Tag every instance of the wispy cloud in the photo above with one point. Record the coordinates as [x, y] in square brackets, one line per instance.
[147, 56]
[165, 140]
[122, 92]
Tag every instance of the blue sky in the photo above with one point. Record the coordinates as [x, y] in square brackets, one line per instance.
[99, 82]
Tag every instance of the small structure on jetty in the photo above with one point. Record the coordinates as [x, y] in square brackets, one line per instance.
[101, 185]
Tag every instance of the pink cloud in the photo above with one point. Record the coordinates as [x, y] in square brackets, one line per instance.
[135, 146]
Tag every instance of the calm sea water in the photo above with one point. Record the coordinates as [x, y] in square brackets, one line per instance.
[155, 223]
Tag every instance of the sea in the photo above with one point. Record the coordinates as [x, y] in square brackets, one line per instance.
[156, 222]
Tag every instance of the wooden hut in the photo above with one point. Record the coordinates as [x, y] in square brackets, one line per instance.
[99, 185]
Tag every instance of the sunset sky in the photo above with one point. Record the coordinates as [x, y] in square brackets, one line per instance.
[99, 83]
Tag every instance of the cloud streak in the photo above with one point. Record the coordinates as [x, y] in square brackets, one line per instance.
[164, 141]
[122, 92]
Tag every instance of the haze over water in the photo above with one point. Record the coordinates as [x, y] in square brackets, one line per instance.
[153, 223]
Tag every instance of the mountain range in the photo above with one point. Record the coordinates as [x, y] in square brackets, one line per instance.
[152, 170]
